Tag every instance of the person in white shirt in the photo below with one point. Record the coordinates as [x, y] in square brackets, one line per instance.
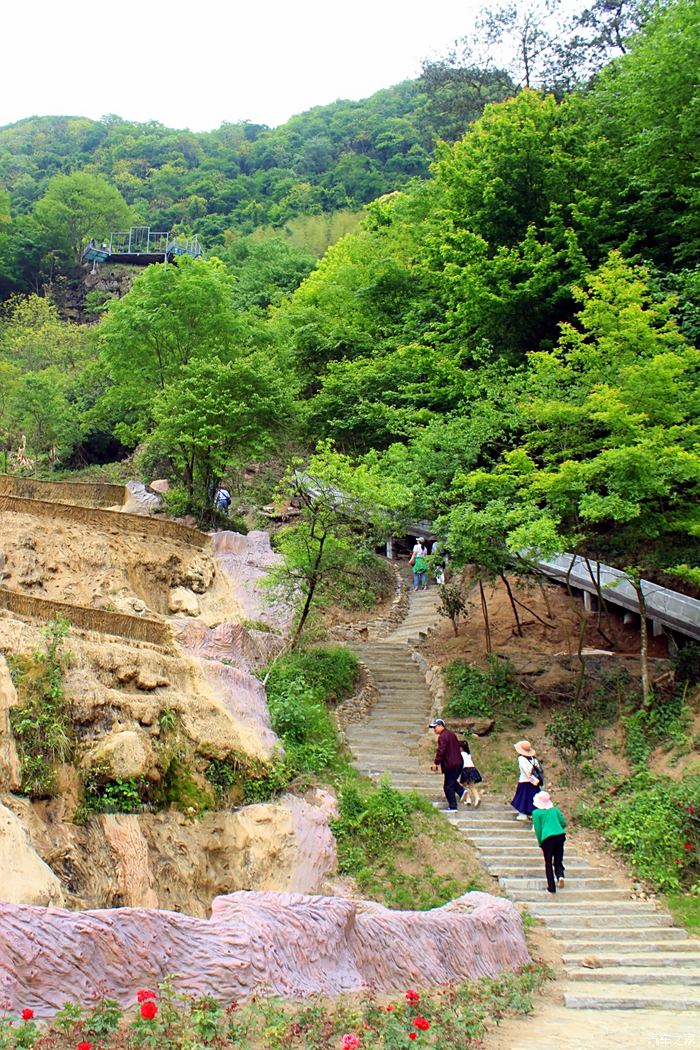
[528, 781]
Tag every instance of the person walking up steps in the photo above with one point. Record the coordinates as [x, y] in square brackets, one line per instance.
[419, 564]
[548, 824]
[448, 758]
[470, 776]
[529, 783]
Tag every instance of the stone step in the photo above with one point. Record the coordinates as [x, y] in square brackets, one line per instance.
[651, 959]
[582, 883]
[578, 937]
[687, 977]
[583, 995]
[605, 925]
[574, 873]
[536, 897]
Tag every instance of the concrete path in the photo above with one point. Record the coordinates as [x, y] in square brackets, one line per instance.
[621, 956]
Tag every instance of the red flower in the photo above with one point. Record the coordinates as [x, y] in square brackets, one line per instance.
[350, 1041]
[422, 1023]
[691, 809]
[390, 1008]
[148, 1010]
[84, 1046]
[27, 1014]
[412, 1035]
[689, 845]
[412, 997]
[144, 994]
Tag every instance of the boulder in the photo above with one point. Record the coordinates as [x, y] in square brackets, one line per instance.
[183, 601]
[161, 486]
[140, 500]
[127, 754]
[26, 879]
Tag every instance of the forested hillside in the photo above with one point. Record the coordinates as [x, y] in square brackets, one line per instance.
[512, 340]
[226, 182]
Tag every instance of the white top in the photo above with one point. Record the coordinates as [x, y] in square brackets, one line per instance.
[467, 760]
[525, 770]
[419, 548]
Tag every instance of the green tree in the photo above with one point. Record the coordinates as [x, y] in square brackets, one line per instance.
[345, 508]
[172, 315]
[76, 208]
[217, 416]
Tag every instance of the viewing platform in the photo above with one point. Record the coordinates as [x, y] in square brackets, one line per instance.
[140, 246]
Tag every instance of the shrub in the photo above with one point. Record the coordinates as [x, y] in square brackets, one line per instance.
[486, 694]
[655, 821]
[371, 820]
[331, 672]
[42, 721]
[571, 731]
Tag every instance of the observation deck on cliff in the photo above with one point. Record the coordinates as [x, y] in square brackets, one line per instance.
[140, 246]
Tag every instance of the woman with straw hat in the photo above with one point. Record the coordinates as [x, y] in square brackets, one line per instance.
[528, 782]
[548, 824]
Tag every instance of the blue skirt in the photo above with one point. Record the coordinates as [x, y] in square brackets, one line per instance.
[522, 800]
[470, 775]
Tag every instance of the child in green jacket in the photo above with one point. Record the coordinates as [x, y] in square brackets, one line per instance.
[548, 824]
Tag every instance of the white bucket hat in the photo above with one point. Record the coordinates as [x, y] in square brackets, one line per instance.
[542, 800]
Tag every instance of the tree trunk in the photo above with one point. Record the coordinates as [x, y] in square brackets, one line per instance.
[643, 641]
[313, 581]
[455, 624]
[581, 616]
[602, 607]
[485, 613]
[304, 615]
[545, 599]
[513, 606]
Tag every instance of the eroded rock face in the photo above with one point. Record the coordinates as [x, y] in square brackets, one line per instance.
[244, 648]
[9, 760]
[167, 860]
[245, 560]
[24, 877]
[271, 943]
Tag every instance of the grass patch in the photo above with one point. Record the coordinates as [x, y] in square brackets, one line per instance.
[685, 909]
[655, 822]
[399, 851]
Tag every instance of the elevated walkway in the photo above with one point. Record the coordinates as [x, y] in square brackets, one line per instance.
[140, 246]
[665, 608]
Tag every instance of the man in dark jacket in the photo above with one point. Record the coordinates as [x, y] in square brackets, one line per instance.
[448, 758]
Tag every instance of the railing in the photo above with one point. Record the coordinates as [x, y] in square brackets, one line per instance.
[142, 240]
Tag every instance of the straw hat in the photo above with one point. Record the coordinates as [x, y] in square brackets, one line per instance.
[542, 800]
[524, 747]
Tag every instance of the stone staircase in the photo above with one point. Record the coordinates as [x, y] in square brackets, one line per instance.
[620, 953]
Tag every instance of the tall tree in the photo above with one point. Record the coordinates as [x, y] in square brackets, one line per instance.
[76, 208]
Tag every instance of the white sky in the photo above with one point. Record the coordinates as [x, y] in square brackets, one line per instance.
[195, 64]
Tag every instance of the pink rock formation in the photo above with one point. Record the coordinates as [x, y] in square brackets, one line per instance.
[282, 944]
[248, 650]
[245, 560]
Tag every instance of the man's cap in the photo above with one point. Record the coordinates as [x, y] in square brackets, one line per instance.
[436, 722]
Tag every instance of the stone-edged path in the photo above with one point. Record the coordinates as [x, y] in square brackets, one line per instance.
[642, 962]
